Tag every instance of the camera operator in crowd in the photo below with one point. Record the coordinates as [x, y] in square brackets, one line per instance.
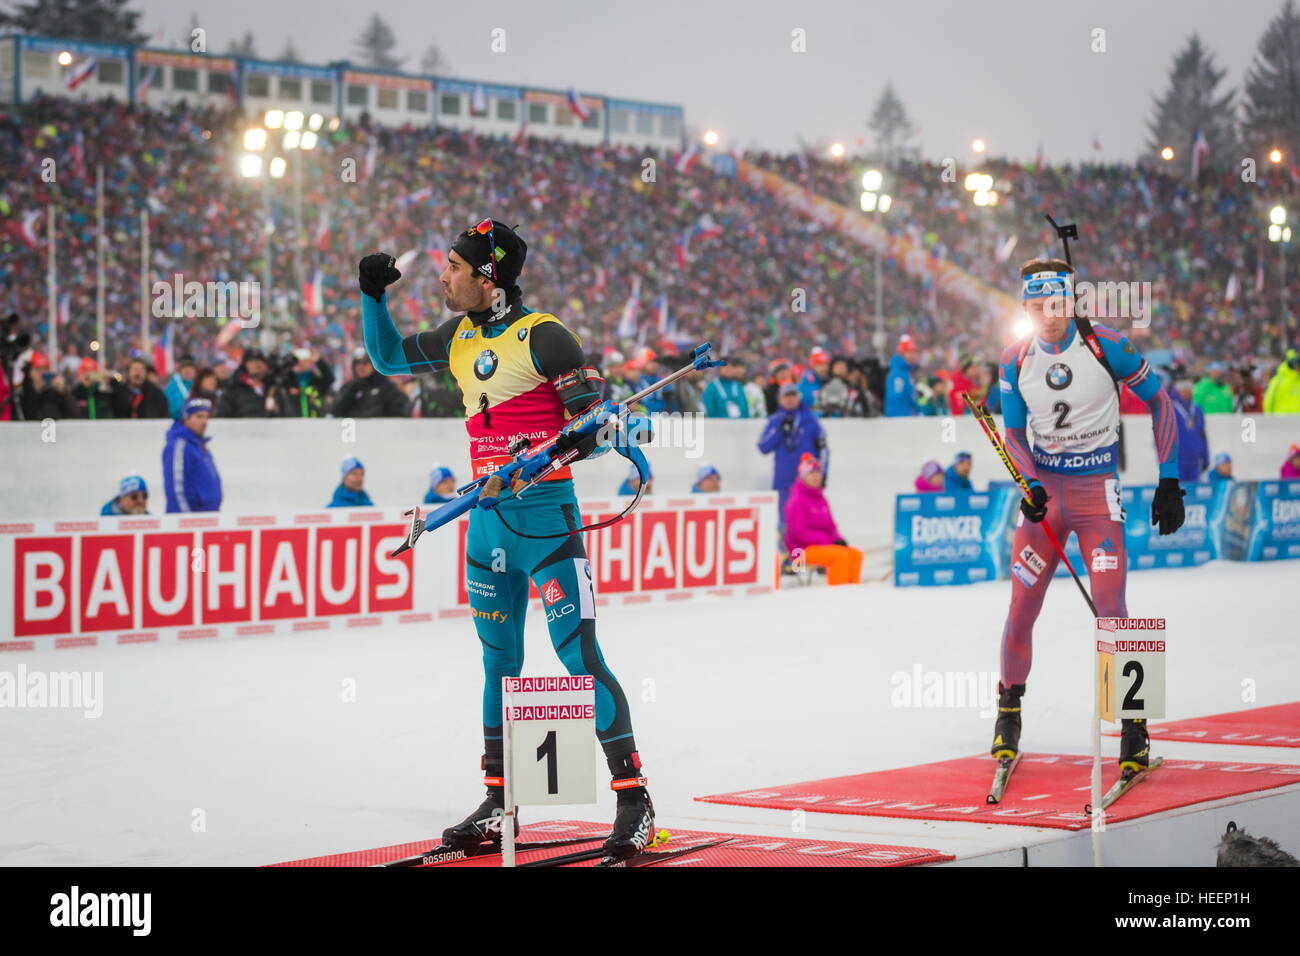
[304, 380]
[92, 396]
[42, 391]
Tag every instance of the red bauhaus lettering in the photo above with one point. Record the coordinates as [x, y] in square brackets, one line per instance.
[617, 569]
[167, 580]
[42, 586]
[700, 548]
[282, 573]
[107, 582]
[338, 570]
[659, 550]
[740, 546]
[392, 580]
[226, 577]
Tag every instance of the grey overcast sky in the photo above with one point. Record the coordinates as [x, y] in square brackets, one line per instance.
[1018, 73]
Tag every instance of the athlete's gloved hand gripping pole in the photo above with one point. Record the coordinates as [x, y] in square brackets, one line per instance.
[607, 422]
[1035, 502]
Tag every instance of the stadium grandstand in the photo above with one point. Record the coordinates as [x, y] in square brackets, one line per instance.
[227, 170]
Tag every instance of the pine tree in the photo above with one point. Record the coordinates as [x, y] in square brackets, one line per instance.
[246, 47]
[290, 53]
[108, 21]
[375, 46]
[432, 61]
[1193, 103]
[892, 127]
[1272, 90]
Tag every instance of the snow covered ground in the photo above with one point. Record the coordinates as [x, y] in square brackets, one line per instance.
[247, 751]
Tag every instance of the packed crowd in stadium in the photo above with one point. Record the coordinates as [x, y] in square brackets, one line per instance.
[639, 269]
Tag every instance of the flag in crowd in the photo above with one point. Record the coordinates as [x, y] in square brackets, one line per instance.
[148, 77]
[78, 73]
[322, 237]
[313, 293]
[27, 231]
[627, 321]
[577, 106]
[663, 321]
[1200, 152]
[164, 349]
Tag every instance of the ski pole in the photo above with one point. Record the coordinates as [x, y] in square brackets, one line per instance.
[982, 415]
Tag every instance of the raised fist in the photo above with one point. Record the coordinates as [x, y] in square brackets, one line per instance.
[375, 272]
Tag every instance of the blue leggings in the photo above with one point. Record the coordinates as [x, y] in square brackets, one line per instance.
[498, 566]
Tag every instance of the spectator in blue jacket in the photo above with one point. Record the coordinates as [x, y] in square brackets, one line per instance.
[793, 430]
[442, 486]
[900, 390]
[1193, 445]
[351, 492]
[1220, 468]
[957, 476]
[132, 498]
[815, 376]
[725, 397]
[190, 477]
[708, 480]
[633, 481]
[179, 385]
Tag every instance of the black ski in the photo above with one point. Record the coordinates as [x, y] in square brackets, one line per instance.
[644, 858]
[1001, 777]
[444, 854]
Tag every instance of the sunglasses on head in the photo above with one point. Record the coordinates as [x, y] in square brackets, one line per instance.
[485, 228]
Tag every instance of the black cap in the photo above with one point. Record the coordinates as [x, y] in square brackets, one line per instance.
[251, 355]
[510, 252]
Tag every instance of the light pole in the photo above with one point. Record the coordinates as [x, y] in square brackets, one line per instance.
[1279, 232]
[295, 139]
[875, 200]
[252, 167]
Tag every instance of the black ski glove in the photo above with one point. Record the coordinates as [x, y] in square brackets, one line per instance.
[376, 271]
[1167, 512]
[787, 423]
[1035, 506]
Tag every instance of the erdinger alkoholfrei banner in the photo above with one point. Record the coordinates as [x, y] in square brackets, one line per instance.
[1262, 521]
[1244, 521]
[126, 580]
[952, 537]
[1196, 542]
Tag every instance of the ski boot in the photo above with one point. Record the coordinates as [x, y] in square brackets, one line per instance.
[1006, 732]
[1134, 746]
[634, 818]
[484, 824]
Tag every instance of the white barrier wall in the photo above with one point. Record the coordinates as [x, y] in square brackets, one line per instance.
[68, 469]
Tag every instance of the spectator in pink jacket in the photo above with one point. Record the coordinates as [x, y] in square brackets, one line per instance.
[810, 528]
[1291, 467]
[930, 478]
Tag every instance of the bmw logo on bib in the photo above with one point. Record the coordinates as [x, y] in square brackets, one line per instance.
[1059, 376]
[485, 364]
